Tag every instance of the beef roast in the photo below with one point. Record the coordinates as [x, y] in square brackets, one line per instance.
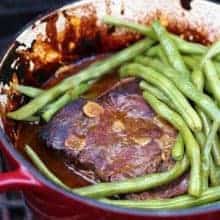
[114, 137]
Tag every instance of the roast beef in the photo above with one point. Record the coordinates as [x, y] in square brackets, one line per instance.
[114, 137]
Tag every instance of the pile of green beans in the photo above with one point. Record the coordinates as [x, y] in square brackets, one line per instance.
[180, 80]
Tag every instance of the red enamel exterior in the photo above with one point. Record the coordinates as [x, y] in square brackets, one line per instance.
[48, 201]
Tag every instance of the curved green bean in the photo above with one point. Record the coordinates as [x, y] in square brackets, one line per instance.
[200, 137]
[178, 148]
[163, 56]
[156, 92]
[41, 166]
[92, 72]
[212, 79]
[206, 149]
[183, 45]
[108, 189]
[197, 78]
[206, 154]
[216, 143]
[212, 52]
[192, 147]
[182, 106]
[180, 202]
[153, 51]
[69, 96]
[137, 184]
[214, 173]
[184, 85]
[170, 49]
[158, 51]
[191, 62]
[29, 91]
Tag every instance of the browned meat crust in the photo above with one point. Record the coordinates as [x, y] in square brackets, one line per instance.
[114, 137]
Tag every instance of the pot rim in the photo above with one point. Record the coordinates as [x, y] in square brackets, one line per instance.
[205, 209]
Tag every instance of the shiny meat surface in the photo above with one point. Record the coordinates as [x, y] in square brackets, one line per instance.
[113, 137]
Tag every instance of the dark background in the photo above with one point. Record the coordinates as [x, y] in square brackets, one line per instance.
[14, 14]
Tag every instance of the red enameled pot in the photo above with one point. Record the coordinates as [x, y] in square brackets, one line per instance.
[45, 199]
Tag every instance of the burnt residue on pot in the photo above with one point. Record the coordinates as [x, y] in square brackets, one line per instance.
[69, 35]
[186, 4]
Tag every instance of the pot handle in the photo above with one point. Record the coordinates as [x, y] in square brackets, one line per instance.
[19, 177]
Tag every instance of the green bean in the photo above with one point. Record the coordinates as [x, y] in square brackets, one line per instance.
[169, 48]
[42, 168]
[191, 62]
[212, 52]
[212, 79]
[216, 150]
[108, 189]
[69, 96]
[185, 86]
[163, 56]
[217, 67]
[205, 121]
[182, 45]
[137, 184]
[28, 90]
[153, 51]
[182, 106]
[157, 51]
[92, 72]
[160, 95]
[178, 100]
[216, 144]
[206, 154]
[214, 173]
[210, 143]
[186, 201]
[200, 137]
[143, 29]
[197, 78]
[188, 47]
[192, 147]
[156, 92]
[178, 148]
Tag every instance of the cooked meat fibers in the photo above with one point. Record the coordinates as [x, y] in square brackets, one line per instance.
[115, 137]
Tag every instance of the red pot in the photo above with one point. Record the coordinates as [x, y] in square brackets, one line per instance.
[45, 199]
